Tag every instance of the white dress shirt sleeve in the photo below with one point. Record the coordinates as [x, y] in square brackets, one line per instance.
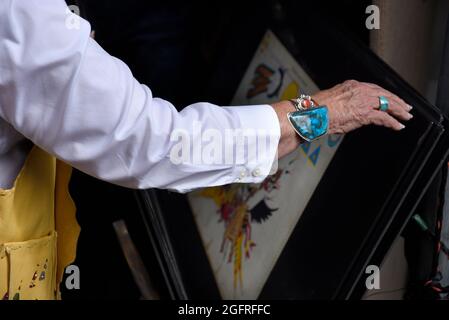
[62, 91]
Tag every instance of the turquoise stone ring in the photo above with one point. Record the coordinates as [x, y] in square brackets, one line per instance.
[310, 124]
[384, 103]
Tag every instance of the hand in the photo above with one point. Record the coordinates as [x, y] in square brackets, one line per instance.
[351, 105]
[354, 104]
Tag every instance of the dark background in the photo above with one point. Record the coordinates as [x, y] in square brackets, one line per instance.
[181, 50]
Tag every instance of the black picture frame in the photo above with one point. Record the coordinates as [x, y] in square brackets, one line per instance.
[364, 200]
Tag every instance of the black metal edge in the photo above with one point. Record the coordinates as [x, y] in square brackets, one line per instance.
[374, 241]
[426, 178]
[404, 214]
[153, 220]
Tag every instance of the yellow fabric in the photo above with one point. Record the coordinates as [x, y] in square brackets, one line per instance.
[65, 220]
[38, 230]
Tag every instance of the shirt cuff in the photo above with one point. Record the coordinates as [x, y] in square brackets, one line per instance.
[262, 131]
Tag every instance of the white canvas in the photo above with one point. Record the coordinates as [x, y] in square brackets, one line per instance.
[254, 238]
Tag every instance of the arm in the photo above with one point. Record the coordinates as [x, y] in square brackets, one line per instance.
[59, 89]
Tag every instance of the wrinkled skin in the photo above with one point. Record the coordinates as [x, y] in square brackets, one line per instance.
[351, 105]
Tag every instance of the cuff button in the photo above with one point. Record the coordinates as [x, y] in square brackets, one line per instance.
[257, 172]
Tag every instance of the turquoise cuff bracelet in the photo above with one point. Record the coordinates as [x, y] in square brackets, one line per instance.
[310, 124]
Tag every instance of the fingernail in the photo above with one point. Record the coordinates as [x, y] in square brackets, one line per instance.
[409, 107]
[402, 127]
[410, 116]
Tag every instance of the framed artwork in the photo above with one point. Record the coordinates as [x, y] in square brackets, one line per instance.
[334, 207]
[243, 256]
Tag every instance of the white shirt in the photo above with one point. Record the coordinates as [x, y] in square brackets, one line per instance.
[62, 91]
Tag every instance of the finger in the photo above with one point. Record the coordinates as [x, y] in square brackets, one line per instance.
[394, 99]
[395, 109]
[380, 118]
[388, 94]
[383, 92]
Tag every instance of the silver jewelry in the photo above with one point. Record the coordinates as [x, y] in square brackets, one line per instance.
[304, 102]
